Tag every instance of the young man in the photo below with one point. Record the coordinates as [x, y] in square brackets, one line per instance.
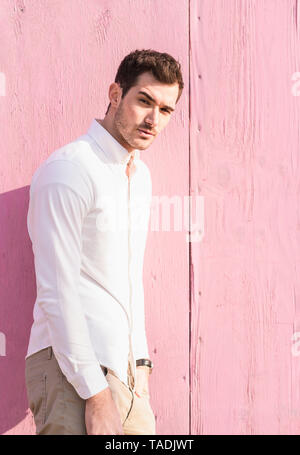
[87, 364]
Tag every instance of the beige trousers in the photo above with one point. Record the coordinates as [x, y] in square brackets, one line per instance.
[58, 409]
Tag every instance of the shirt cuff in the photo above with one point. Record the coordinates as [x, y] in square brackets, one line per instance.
[89, 382]
[141, 355]
[140, 348]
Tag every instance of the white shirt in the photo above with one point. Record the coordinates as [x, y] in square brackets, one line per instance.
[88, 225]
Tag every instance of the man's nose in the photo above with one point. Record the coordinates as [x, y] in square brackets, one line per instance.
[152, 118]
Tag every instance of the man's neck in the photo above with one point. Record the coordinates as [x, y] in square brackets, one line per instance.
[107, 124]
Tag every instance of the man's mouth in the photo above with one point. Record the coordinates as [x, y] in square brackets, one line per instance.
[145, 133]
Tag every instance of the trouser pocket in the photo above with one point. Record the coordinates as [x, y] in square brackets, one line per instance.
[122, 395]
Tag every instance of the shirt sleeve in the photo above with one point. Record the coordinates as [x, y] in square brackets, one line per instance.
[59, 200]
[139, 335]
[140, 344]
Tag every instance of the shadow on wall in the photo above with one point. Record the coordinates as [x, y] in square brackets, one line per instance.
[17, 297]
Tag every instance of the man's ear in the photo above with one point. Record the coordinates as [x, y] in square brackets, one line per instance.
[115, 94]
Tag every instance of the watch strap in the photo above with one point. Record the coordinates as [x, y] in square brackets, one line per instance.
[144, 362]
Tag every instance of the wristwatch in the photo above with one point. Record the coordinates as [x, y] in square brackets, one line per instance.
[145, 362]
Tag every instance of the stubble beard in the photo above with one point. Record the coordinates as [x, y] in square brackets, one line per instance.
[122, 128]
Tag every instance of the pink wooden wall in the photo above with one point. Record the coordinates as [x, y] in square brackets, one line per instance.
[220, 312]
[59, 58]
[245, 162]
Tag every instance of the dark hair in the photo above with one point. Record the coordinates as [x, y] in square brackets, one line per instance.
[163, 67]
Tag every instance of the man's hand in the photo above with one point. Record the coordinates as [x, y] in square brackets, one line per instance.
[102, 415]
[142, 380]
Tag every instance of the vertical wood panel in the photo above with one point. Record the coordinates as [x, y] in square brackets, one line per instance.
[245, 162]
[59, 58]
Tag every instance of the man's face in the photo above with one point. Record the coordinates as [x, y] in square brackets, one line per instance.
[149, 111]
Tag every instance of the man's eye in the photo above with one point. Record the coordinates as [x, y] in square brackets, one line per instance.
[147, 102]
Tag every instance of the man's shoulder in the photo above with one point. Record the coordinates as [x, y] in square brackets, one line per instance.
[144, 167]
[71, 164]
[78, 151]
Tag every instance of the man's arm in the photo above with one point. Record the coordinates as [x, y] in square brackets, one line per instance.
[59, 202]
[60, 198]
[140, 344]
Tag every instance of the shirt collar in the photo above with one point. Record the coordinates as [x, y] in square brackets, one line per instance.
[110, 146]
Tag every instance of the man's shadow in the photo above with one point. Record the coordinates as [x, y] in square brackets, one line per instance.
[17, 297]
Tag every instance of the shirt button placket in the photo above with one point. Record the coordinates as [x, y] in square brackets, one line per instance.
[129, 170]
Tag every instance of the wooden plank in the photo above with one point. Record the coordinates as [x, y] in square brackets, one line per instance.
[58, 59]
[245, 163]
